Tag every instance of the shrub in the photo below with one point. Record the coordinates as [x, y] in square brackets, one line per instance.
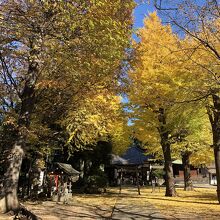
[96, 183]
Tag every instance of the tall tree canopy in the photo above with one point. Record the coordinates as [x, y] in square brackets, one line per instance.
[159, 117]
[153, 87]
[199, 22]
[63, 49]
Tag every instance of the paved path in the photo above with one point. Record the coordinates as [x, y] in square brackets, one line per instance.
[124, 209]
[127, 211]
[120, 212]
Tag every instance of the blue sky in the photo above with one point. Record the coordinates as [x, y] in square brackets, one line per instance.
[140, 12]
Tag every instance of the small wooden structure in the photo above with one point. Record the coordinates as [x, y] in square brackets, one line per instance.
[61, 177]
[132, 167]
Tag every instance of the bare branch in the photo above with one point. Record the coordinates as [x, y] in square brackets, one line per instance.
[159, 6]
[9, 75]
[206, 44]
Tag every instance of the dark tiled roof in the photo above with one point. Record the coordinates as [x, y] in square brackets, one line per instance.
[68, 169]
[133, 156]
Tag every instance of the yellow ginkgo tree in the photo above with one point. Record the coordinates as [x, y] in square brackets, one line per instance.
[191, 139]
[74, 45]
[199, 22]
[154, 84]
[97, 117]
[158, 86]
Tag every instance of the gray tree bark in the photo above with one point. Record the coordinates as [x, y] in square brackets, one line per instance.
[164, 135]
[214, 117]
[188, 186]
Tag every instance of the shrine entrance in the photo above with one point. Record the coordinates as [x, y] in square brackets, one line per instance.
[137, 175]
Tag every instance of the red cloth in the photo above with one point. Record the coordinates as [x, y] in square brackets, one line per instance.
[56, 181]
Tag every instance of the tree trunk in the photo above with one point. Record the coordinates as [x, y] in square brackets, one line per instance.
[35, 176]
[217, 165]
[164, 135]
[169, 179]
[10, 199]
[186, 169]
[10, 184]
[35, 185]
[214, 117]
